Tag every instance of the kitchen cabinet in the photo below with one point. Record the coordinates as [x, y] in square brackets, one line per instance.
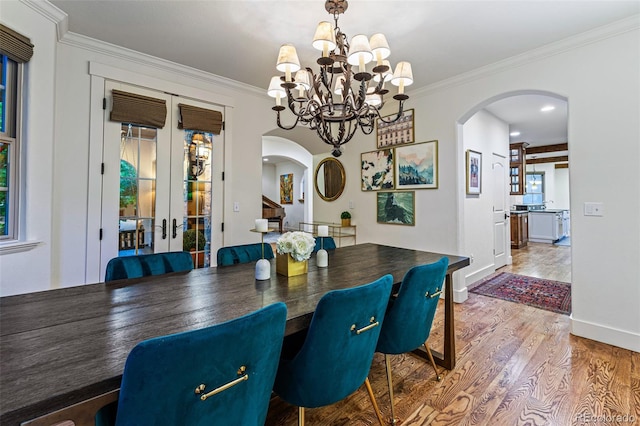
[548, 226]
[519, 229]
[517, 167]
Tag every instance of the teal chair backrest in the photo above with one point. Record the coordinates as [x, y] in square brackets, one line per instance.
[144, 265]
[161, 374]
[243, 253]
[410, 313]
[334, 359]
[327, 243]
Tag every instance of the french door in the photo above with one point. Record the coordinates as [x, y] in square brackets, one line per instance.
[161, 187]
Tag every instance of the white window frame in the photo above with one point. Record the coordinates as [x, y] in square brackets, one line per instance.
[11, 136]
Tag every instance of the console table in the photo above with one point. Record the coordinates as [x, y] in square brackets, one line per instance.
[336, 230]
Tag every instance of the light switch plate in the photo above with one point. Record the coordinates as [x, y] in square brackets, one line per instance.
[236, 206]
[593, 209]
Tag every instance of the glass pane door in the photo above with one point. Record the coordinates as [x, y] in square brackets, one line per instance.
[138, 153]
[135, 184]
[197, 196]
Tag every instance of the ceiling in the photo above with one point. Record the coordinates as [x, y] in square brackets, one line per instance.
[239, 39]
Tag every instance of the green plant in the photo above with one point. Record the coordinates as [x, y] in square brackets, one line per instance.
[189, 240]
[128, 184]
[345, 215]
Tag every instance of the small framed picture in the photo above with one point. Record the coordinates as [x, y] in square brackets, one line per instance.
[474, 172]
[397, 133]
[416, 166]
[376, 170]
[396, 207]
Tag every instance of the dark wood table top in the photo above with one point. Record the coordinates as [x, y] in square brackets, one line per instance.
[60, 347]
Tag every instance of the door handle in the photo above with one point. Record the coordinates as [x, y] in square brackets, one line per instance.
[175, 229]
[164, 229]
[506, 216]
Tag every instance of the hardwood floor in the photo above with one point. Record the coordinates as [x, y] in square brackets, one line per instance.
[541, 261]
[516, 365]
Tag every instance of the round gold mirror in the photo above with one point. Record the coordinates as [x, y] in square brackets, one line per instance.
[330, 179]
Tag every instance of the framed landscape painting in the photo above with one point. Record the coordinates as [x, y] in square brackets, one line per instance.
[397, 133]
[474, 172]
[396, 208]
[376, 170]
[416, 166]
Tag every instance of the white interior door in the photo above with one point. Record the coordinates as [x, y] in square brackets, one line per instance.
[500, 211]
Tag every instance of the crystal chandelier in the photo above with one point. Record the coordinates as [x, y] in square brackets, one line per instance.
[342, 95]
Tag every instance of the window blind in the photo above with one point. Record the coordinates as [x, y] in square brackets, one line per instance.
[14, 45]
[138, 109]
[194, 118]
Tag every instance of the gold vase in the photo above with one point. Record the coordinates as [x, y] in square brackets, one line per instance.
[289, 267]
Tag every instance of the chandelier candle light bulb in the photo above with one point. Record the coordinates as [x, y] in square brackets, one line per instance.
[276, 90]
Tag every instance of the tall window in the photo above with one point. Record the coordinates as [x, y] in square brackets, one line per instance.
[535, 188]
[10, 92]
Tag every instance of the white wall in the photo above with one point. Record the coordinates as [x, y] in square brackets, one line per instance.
[29, 271]
[269, 187]
[486, 134]
[561, 197]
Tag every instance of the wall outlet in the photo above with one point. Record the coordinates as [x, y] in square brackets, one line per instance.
[236, 206]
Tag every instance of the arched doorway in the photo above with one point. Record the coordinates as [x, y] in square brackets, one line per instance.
[284, 157]
[493, 124]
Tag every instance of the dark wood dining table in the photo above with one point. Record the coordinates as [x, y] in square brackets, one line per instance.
[62, 352]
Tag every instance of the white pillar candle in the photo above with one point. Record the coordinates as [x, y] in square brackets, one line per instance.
[323, 231]
[262, 225]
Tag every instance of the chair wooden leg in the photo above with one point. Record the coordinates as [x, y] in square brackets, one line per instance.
[387, 363]
[373, 401]
[433, 363]
[300, 416]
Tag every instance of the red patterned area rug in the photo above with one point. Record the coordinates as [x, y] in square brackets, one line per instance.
[554, 296]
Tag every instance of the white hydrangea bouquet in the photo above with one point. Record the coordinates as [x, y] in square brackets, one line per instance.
[298, 244]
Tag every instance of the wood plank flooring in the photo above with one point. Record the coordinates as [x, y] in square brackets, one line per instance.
[516, 365]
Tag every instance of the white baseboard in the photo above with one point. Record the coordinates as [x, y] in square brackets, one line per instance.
[460, 295]
[480, 274]
[612, 336]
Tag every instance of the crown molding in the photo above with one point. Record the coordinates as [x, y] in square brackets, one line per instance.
[52, 13]
[61, 19]
[119, 52]
[592, 36]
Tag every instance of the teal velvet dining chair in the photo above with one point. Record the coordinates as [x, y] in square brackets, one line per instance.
[222, 374]
[144, 265]
[327, 243]
[410, 314]
[331, 359]
[245, 253]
